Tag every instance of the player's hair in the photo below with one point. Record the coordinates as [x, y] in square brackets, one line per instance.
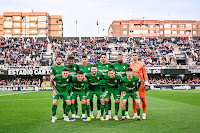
[134, 52]
[65, 69]
[103, 54]
[111, 69]
[84, 56]
[94, 65]
[80, 72]
[71, 58]
[129, 69]
[58, 57]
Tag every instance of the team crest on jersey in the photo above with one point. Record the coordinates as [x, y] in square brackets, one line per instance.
[88, 68]
[106, 65]
[98, 78]
[67, 80]
[74, 68]
[124, 67]
[115, 81]
[82, 84]
[133, 83]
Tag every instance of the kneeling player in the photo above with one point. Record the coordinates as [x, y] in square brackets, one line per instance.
[112, 86]
[130, 86]
[62, 81]
[93, 79]
[79, 86]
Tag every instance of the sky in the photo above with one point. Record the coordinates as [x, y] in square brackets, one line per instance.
[87, 12]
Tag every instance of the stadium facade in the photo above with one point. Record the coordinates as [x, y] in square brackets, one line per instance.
[154, 28]
[30, 24]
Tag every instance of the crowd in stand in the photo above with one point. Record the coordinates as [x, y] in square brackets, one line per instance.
[164, 80]
[19, 81]
[191, 48]
[16, 52]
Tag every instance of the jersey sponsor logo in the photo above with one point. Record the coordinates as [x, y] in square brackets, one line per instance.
[112, 84]
[130, 88]
[120, 72]
[77, 88]
[95, 83]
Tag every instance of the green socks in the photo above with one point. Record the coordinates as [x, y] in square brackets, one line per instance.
[83, 108]
[116, 108]
[73, 108]
[67, 109]
[102, 109]
[123, 112]
[138, 112]
[88, 110]
[64, 106]
[54, 107]
[127, 105]
[106, 107]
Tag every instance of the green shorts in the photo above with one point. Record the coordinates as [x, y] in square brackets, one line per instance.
[74, 94]
[114, 91]
[65, 95]
[99, 94]
[127, 95]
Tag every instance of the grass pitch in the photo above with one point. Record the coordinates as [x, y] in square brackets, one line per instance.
[167, 111]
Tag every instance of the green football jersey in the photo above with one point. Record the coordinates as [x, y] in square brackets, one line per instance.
[61, 84]
[85, 69]
[112, 83]
[94, 81]
[103, 68]
[72, 70]
[131, 86]
[56, 70]
[120, 69]
[79, 86]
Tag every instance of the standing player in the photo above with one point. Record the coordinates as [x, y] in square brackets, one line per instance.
[130, 86]
[55, 70]
[103, 67]
[86, 68]
[139, 70]
[61, 89]
[78, 89]
[93, 80]
[112, 86]
[120, 69]
[73, 69]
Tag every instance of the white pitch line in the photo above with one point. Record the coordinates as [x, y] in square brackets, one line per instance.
[17, 93]
[24, 99]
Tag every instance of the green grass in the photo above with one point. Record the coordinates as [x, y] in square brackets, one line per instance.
[167, 111]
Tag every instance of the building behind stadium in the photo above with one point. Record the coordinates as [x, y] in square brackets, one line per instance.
[154, 28]
[30, 24]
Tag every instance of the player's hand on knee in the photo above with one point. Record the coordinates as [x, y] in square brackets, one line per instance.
[137, 93]
[55, 92]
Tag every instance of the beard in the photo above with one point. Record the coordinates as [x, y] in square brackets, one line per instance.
[58, 63]
[120, 61]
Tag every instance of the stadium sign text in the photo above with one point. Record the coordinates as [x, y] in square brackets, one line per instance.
[28, 72]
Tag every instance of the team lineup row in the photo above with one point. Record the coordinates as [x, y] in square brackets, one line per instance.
[102, 79]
